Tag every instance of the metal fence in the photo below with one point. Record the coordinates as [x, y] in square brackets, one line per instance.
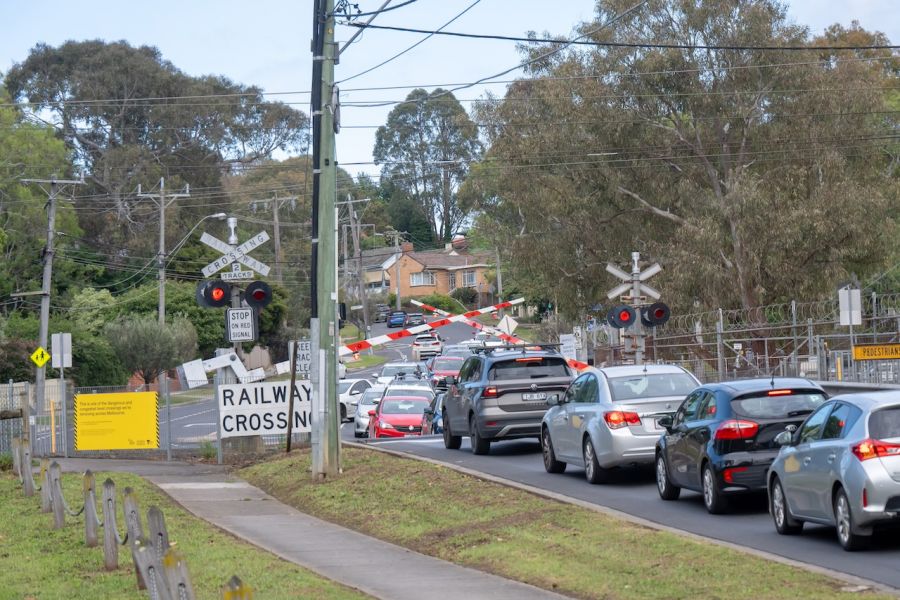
[11, 399]
[792, 339]
[186, 419]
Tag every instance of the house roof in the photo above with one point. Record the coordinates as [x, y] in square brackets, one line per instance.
[442, 260]
[373, 259]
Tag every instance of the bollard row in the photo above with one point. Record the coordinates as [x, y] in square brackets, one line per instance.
[159, 567]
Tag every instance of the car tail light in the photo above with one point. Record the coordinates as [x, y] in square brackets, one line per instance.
[781, 392]
[735, 429]
[617, 419]
[489, 392]
[728, 474]
[530, 359]
[870, 448]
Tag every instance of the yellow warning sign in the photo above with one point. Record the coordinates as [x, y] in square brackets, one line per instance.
[40, 357]
[876, 352]
[121, 421]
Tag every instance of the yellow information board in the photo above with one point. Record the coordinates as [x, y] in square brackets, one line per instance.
[876, 352]
[120, 421]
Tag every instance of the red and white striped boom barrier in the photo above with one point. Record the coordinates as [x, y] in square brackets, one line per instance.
[510, 339]
[396, 335]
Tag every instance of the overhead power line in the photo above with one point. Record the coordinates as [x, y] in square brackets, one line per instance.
[643, 45]
[375, 12]
[407, 49]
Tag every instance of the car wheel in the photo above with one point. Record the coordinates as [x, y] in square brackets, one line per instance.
[551, 465]
[667, 491]
[343, 413]
[592, 469]
[715, 501]
[479, 444]
[785, 524]
[451, 442]
[843, 518]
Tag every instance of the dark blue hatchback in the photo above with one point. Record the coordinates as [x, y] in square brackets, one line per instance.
[397, 319]
[721, 440]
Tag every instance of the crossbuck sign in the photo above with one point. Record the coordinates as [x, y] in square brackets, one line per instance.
[235, 254]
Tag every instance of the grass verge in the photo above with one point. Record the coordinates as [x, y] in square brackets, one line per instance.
[38, 562]
[512, 533]
[366, 361]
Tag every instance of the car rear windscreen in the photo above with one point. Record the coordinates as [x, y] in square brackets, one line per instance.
[884, 424]
[775, 405]
[528, 367]
[651, 385]
[408, 406]
[447, 364]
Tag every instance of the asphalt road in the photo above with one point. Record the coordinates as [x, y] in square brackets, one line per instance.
[196, 422]
[634, 492]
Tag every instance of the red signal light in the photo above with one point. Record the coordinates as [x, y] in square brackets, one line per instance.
[656, 314]
[217, 294]
[213, 293]
[625, 316]
[258, 294]
[621, 316]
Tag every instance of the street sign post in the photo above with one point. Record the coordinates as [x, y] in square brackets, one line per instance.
[240, 325]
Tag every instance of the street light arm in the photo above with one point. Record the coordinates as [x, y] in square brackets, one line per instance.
[179, 245]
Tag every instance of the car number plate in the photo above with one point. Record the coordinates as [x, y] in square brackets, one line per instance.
[536, 396]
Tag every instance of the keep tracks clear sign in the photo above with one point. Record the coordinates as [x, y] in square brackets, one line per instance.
[262, 408]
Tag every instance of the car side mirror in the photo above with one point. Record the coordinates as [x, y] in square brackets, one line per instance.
[553, 400]
[450, 380]
[665, 422]
[428, 411]
[785, 438]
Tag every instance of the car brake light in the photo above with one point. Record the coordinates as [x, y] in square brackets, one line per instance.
[489, 392]
[870, 448]
[781, 392]
[728, 474]
[734, 429]
[617, 419]
[530, 359]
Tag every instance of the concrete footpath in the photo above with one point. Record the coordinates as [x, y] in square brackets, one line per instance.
[378, 568]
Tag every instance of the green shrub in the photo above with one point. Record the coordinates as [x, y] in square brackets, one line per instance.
[207, 450]
[466, 295]
[6, 461]
[441, 301]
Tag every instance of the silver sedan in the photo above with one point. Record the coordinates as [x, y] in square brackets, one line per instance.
[841, 468]
[608, 418]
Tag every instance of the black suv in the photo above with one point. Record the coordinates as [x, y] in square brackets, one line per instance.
[501, 393]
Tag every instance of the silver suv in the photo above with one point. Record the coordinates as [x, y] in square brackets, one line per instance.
[501, 393]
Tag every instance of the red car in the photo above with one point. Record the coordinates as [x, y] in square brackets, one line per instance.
[397, 416]
[444, 366]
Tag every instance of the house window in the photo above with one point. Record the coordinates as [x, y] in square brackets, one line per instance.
[421, 278]
[469, 279]
[451, 281]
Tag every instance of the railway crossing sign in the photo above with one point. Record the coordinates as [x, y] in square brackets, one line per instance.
[235, 254]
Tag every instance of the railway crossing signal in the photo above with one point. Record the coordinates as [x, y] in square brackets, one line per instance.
[633, 292]
[258, 295]
[213, 293]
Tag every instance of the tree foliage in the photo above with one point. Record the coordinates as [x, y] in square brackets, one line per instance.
[753, 176]
[130, 117]
[146, 347]
[425, 149]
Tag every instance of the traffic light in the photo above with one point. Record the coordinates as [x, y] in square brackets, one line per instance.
[258, 295]
[621, 316]
[655, 315]
[213, 293]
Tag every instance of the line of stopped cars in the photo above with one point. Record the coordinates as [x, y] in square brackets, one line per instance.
[832, 461]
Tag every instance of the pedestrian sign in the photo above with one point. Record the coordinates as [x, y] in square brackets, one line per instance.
[40, 357]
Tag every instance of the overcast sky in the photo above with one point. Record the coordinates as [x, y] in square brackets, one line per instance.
[266, 43]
